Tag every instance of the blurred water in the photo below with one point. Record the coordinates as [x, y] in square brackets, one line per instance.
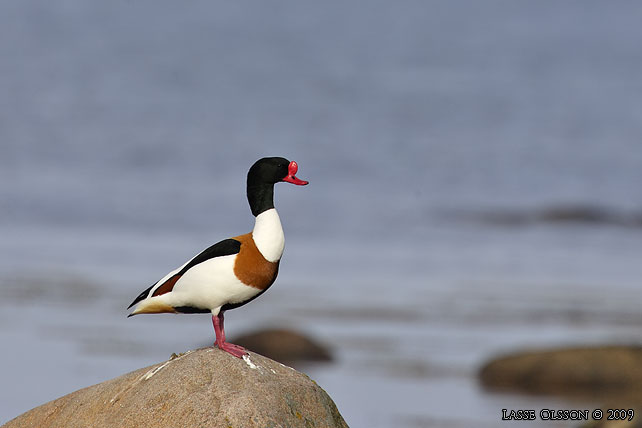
[127, 127]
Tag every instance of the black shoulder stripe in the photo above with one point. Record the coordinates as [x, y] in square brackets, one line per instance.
[142, 295]
[226, 247]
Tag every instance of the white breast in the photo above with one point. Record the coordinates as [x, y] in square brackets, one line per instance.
[268, 235]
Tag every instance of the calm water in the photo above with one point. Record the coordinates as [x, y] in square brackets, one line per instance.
[127, 127]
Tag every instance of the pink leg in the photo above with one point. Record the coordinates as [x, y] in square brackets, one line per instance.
[219, 331]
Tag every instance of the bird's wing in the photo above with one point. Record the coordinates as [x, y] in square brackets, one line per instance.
[226, 247]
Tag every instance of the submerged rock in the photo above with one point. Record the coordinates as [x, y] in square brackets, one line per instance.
[202, 388]
[285, 346]
[604, 372]
[586, 214]
[616, 417]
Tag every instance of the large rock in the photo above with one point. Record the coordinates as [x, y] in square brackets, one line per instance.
[202, 388]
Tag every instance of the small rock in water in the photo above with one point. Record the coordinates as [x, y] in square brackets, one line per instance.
[602, 372]
[285, 346]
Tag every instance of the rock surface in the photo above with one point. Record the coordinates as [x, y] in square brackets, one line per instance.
[202, 388]
[285, 346]
[604, 372]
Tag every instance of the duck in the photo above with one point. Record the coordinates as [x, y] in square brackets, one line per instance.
[234, 271]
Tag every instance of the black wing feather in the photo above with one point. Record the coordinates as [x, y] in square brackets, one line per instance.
[226, 247]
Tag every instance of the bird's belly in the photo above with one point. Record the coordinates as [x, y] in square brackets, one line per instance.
[210, 285]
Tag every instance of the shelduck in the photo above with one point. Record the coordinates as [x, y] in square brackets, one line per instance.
[234, 271]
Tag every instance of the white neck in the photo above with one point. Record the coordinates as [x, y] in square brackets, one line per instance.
[268, 235]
